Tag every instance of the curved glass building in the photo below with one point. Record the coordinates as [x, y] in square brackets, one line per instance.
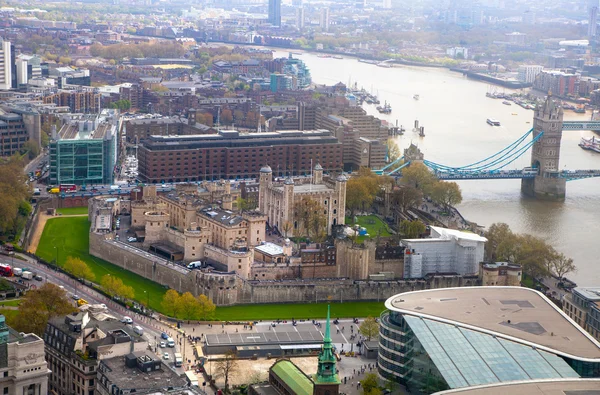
[441, 339]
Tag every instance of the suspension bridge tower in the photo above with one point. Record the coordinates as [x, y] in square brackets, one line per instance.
[545, 153]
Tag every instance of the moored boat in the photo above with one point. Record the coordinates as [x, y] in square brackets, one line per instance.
[493, 122]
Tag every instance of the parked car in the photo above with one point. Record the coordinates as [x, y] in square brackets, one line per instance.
[38, 278]
[164, 335]
[163, 344]
[75, 297]
[127, 320]
[166, 355]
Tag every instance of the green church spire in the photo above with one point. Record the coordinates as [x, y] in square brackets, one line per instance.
[327, 371]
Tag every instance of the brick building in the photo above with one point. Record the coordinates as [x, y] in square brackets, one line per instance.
[231, 154]
[77, 101]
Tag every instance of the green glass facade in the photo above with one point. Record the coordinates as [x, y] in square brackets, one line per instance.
[428, 356]
[82, 162]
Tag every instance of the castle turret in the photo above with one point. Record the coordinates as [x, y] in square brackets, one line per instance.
[265, 180]
[339, 207]
[318, 174]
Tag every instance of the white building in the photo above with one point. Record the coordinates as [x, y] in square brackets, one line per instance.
[455, 51]
[300, 19]
[445, 251]
[387, 4]
[324, 19]
[22, 363]
[527, 73]
[5, 65]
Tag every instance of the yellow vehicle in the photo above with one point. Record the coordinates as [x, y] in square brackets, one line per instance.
[81, 302]
[55, 190]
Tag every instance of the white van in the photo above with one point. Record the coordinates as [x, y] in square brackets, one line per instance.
[138, 329]
[170, 342]
[194, 265]
[127, 320]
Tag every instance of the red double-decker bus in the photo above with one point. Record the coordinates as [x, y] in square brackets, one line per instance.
[5, 270]
[68, 188]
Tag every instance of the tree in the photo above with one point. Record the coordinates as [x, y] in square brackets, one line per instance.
[172, 302]
[496, 234]
[79, 268]
[31, 148]
[309, 215]
[243, 204]
[369, 383]
[412, 229]
[369, 328]
[226, 116]
[446, 194]
[227, 365]
[286, 227]
[189, 306]
[40, 305]
[206, 308]
[357, 195]
[393, 152]
[13, 190]
[419, 176]
[114, 286]
[406, 197]
[561, 265]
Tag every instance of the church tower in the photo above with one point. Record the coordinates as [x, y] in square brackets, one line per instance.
[326, 380]
[545, 153]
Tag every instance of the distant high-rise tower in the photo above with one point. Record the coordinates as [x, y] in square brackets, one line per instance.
[300, 18]
[593, 22]
[324, 21]
[275, 12]
[5, 65]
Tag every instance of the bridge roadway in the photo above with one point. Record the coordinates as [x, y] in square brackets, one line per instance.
[582, 125]
[570, 175]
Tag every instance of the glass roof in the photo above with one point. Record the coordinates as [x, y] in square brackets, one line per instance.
[467, 358]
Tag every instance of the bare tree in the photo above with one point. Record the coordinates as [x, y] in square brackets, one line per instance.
[561, 265]
[227, 365]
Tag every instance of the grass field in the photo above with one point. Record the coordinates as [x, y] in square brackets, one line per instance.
[11, 303]
[72, 210]
[373, 225]
[70, 235]
[10, 315]
[298, 311]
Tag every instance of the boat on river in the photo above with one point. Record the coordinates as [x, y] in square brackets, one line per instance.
[493, 122]
[416, 97]
[590, 144]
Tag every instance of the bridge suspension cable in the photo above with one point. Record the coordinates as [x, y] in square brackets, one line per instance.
[500, 162]
[398, 168]
[502, 153]
[392, 164]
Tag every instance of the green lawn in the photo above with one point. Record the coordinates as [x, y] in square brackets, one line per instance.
[71, 236]
[12, 303]
[10, 315]
[72, 210]
[373, 225]
[298, 311]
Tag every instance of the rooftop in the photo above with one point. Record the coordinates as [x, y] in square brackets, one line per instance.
[307, 188]
[133, 378]
[519, 314]
[289, 373]
[225, 217]
[270, 249]
[534, 387]
[590, 293]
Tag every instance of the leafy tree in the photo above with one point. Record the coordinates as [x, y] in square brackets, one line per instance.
[206, 308]
[172, 302]
[227, 365]
[446, 193]
[561, 265]
[189, 305]
[406, 197]
[393, 152]
[308, 213]
[495, 235]
[357, 195]
[369, 383]
[31, 148]
[40, 305]
[418, 176]
[369, 328]
[45, 139]
[79, 268]
[114, 286]
[226, 116]
[412, 229]
[13, 190]
[243, 204]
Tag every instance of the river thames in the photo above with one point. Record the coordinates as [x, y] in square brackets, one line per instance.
[453, 110]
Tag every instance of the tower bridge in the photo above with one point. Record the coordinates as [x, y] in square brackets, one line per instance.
[542, 179]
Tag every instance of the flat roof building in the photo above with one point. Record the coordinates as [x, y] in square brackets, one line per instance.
[232, 154]
[462, 337]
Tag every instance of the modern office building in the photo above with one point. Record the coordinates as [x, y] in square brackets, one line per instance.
[5, 65]
[453, 338]
[593, 19]
[275, 12]
[582, 305]
[23, 369]
[17, 126]
[445, 251]
[231, 154]
[533, 387]
[76, 343]
[84, 151]
[27, 67]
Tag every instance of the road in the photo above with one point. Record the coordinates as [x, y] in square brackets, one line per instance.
[152, 328]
